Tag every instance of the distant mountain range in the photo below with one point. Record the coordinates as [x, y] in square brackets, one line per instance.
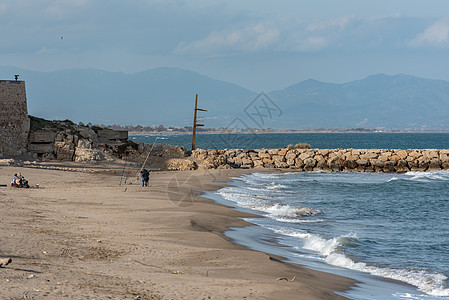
[167, 95]
[378, 101]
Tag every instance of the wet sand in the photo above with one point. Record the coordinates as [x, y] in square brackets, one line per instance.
[82, 236]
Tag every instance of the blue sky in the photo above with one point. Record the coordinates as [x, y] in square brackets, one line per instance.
[261, 45]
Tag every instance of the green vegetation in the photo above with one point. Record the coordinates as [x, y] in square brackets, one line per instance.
[37, 124]
[302, 146]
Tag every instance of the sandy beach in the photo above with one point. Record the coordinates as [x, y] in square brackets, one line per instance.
[85, 236]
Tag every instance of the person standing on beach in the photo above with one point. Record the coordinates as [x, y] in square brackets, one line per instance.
[145, 175]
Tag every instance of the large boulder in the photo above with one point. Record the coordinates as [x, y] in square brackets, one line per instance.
[280, 164]
[389, 167]
[363, 162]
[334, 163]
[258, 164]
[85, 152]
[402, 166]
[309, 164]
[86, 133]
[64, 146]
[402, 154]
[278, 158]
[321, 162]
[247, 163]
[290, 155]
[7, 162]
[435, 164]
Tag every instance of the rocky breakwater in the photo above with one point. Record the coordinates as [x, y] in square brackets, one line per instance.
[357, 160]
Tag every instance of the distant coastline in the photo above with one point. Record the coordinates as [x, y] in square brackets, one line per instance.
[261, 131]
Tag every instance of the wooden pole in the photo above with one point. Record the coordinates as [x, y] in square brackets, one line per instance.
[194, 123]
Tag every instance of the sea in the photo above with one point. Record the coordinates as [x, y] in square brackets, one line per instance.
[365, 140]
[390, 232]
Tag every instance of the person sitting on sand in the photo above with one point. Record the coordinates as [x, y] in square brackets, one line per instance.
[18, 181]
[145, 175]
[15, 181]
[23, 181]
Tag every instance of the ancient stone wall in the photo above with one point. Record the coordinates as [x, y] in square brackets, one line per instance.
[358, 160]
[14, 121]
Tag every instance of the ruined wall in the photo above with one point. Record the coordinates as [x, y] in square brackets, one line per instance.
[14, 121]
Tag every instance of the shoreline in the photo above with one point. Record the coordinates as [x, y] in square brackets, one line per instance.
[286, 131]
[275, 238]
[81, 235]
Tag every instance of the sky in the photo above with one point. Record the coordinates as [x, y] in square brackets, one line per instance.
[260, 45]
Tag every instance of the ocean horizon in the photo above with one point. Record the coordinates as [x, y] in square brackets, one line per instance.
[333, 140]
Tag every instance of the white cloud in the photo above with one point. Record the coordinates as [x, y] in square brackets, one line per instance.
[434, 35]
[317, 36]
[347, 33]
[339, 23]
[247, 39]
[353, 34]
[312, 44]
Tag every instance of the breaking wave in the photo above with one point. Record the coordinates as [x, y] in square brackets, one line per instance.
[331, 252]
[276, 196]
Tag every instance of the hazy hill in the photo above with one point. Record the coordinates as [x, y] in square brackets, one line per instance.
[399, 101]
[158, 96]
[166, 96]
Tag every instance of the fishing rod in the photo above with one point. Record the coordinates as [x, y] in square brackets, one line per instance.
[143, 165]
[123, 171]
[149, 153]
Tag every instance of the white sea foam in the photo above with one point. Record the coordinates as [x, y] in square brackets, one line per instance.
[291, 220]
[393, 179]
[260, 194]
[328, 250]
[266, 187]
[264, 176]
[262, 179]
[255, 201]
[290, 211]
[407, 296]
[243, 199]
[428, 176]
[274, 186]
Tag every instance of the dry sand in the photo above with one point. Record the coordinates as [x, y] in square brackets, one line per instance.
[82, 236]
